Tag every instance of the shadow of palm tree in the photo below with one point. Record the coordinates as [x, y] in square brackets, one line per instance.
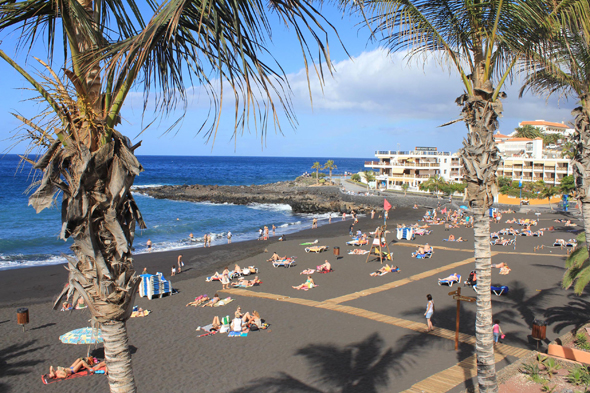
[361, 367]
[575, 313]
[9, 367]
[527, 307]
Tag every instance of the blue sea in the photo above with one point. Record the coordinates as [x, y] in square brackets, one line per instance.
[29, 239]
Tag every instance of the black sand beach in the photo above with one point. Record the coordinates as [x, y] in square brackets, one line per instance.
[314, 336]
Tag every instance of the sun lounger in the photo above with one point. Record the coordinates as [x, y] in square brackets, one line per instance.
[499, 290]
[223, 302]
[559, 243]
[449, 282]
[289, 262]
[422, 256]
[357, 242]
[405, 233]
[571, 243]
[316, 249]
[154, 285]
[358, 251]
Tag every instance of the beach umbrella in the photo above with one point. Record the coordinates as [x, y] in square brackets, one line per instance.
[82, 336]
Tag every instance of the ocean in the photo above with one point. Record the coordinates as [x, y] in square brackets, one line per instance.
[28, 239]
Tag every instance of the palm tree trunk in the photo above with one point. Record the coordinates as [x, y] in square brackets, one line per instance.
[581, 163]
[480, 159]
[484, 345]
[118, 358]
[99, 212]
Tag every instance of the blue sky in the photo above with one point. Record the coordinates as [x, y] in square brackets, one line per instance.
[374, 101]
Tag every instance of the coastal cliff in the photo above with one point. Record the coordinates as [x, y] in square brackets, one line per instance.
[302, 197]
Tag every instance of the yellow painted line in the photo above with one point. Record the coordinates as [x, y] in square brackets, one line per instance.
[451, 377]
[399, 283]
[359, 312]
[415, 245]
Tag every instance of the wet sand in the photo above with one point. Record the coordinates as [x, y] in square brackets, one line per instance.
[309, 331]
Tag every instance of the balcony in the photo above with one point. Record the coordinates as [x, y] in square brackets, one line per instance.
[411, 153]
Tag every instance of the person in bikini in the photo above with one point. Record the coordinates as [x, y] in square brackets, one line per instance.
[90, 363]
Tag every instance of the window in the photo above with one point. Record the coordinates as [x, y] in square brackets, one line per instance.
[445, 162]
[445, 170]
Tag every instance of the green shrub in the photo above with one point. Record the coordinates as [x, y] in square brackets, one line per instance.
[355, 177]
[579, 376]
[582, 341]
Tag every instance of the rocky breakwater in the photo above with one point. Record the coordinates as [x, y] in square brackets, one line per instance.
[301, 198]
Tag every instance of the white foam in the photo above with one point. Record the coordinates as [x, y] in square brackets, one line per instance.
[134, 187]
[270, 206]
[17, 261]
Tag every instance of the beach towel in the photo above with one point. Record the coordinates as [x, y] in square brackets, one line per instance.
[139, 314]
[358, 251]
[316, 249]
[210, 333]
[309, 243]
[308, 271]
[83, 373]
[223, 302]
[237, 334]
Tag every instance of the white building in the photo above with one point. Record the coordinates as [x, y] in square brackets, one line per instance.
[522, 158]
[414, 167]
[548, 127]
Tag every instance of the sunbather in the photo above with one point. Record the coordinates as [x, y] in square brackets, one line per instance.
[452, 277]
[308, 271]
[212, 302]
[246, 283]
[451, 238]
[384, 270]
[325, 267]
[212, 327]
[198, 301]
[308, 284]
[88, 363]
[275, 257]
[358, 251]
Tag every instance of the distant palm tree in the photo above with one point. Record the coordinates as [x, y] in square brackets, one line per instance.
[330, 166]
[528, 131]
[369, 177]
[405, 187]
[317, 166]
[549, 192]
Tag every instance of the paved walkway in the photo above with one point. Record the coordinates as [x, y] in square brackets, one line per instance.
[439, 382]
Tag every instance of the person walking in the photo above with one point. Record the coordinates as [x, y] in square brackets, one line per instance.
[149, 245]
[330, 218]
[225, 279]
[372, 214]
[180, 263]
[274, 228]
[228, 237]
[429, 312]
[497, 330]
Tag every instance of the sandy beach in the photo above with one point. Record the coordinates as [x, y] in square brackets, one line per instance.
[351, 329]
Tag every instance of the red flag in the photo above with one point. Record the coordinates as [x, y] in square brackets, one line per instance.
[386, 205]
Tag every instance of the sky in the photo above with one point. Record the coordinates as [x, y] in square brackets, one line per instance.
[373, 101]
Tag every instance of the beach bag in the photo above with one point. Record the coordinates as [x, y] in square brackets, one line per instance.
[225, 320]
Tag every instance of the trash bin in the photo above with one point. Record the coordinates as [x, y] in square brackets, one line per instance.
[336, 251]
[539, 329]
[22, 317]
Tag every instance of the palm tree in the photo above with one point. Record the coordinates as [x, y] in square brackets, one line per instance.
[528, 131]
[369, 177]
[330, 166]
[549, 192]
[474, 38]
[109, 51]
[317, 166]
[578, 268]
[405, 187]
[561, 64]
[434, 184]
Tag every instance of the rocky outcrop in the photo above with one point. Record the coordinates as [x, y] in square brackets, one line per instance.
[301, 198]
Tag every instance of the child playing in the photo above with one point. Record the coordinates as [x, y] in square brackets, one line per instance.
[173, 270]
[497, 330]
